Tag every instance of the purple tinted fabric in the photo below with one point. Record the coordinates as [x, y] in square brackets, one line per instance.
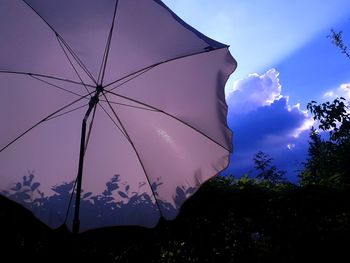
[140, 42]
[158, 132]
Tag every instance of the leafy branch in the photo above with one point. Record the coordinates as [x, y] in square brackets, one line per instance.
[337, 39]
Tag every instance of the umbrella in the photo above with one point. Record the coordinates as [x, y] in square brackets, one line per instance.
[112, 112]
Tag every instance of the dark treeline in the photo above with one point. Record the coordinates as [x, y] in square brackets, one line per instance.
[227, 220]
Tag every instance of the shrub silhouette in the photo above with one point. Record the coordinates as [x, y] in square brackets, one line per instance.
[97, 210]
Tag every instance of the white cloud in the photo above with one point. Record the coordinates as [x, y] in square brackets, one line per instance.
[306, 126]
[342, 91]
[255, 91]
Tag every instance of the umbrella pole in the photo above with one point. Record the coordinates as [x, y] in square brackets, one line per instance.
[76, 221]
[93, 102]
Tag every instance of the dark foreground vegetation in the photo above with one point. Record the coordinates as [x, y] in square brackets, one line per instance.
[228, 220]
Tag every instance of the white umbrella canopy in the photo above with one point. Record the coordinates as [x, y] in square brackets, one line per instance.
[149, 89]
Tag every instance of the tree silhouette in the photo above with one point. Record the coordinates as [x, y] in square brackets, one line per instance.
[328, 161]
[267, 171]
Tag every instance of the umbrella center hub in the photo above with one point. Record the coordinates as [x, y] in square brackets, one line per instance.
[99, 88]
[94, 100]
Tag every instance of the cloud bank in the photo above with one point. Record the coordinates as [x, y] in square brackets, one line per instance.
[342, 91]
[261, 118]
[255, 91]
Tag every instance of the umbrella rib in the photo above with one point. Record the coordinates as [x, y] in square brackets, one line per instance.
[41, 121]
[112, 120]
[55, 86]
[44, 76]
[136, 152]
[70, 62]
[145, 69]
[131, 106]
[108, 45]
[171, 116]
[40, 16]
[66, 112]
[77, 59]
[80, 63]
[103, 59]
[116, 116]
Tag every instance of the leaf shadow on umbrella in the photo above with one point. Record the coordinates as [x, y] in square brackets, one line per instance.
[131, 208]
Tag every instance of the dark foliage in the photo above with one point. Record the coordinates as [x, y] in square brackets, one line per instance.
[337, 39]
[227, 220]
[328, 159]
[333, 117]
[266, 170]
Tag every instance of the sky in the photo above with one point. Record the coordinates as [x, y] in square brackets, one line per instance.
[285, 60]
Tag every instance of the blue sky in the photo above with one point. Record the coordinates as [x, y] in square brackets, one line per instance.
[284, 61]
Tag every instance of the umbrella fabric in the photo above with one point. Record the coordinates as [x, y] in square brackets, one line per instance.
[157, 133]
